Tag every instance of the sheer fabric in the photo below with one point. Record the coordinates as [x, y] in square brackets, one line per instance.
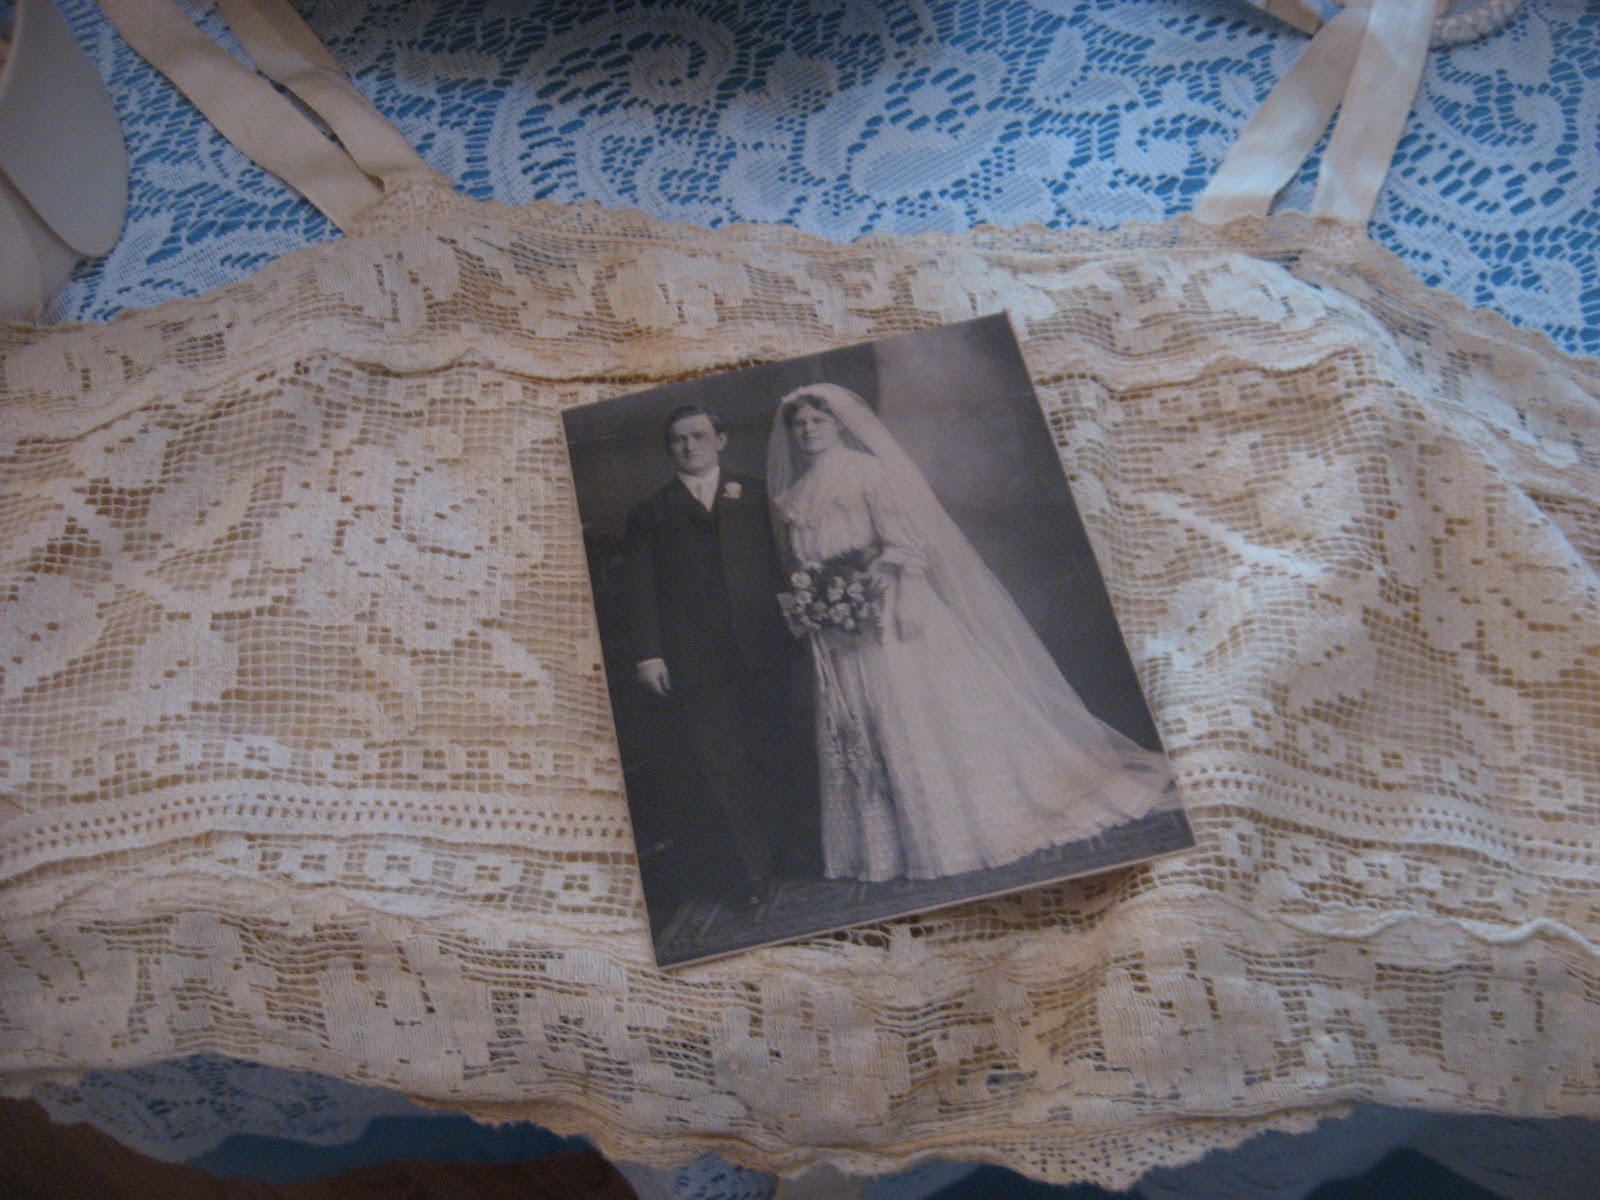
[307, 758]
[777, 113]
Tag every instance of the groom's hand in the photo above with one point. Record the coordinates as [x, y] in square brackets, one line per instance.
[652, 674]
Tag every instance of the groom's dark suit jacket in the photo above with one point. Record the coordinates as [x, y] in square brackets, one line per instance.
[702, 586]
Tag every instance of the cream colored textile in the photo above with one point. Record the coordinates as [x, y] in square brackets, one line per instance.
[307, 756]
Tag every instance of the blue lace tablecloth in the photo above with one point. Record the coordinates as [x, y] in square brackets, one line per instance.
[843, 117]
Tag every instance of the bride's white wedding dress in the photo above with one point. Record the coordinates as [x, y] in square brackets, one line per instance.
[961, 747]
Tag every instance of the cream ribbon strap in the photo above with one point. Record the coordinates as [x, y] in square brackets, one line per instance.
[283, 46]
[342, 182]
[1366, 63]
[1383, 87]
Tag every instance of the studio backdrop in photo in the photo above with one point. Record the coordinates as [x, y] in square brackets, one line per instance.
[306, 758]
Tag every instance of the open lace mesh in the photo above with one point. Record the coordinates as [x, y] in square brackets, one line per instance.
[308, 758]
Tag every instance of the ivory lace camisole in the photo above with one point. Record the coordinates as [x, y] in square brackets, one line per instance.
[305, 751]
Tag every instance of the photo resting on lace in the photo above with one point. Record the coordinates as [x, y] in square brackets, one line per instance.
[861, 659]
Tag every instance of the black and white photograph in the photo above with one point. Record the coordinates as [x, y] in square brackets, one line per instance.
[861, 659]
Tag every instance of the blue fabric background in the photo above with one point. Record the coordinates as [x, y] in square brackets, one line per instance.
[844, 117]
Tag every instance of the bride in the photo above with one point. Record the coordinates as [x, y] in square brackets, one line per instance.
[947, 738]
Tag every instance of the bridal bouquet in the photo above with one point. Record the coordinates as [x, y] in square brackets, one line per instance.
[840, 593]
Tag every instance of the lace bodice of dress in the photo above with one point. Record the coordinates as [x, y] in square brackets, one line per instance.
[846, 501]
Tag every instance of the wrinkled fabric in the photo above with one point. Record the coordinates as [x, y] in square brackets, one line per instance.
[307, 757]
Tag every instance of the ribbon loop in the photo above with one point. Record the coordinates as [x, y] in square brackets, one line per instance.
[343, 182]
[1366, 65]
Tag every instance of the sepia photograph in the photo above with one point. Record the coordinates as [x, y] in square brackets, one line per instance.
[861, 659]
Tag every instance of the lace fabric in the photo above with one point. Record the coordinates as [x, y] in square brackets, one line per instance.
[845, 119]
[178, 1110]
[306, 763]
[306, 735]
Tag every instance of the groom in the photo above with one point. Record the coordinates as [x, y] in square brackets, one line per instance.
[701, 578]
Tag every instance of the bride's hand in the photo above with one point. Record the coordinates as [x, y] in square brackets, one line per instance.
[911, 596]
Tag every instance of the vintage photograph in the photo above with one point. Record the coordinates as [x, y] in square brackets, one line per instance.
[860, 656]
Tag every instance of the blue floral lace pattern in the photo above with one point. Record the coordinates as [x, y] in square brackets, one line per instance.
[177, 1110]
[845, 117]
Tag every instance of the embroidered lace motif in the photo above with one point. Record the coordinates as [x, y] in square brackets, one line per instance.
[311, 762]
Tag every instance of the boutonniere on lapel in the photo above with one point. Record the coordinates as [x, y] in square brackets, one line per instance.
[732, 490]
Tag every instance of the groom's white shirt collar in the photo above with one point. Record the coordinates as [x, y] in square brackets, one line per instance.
[703, 487]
